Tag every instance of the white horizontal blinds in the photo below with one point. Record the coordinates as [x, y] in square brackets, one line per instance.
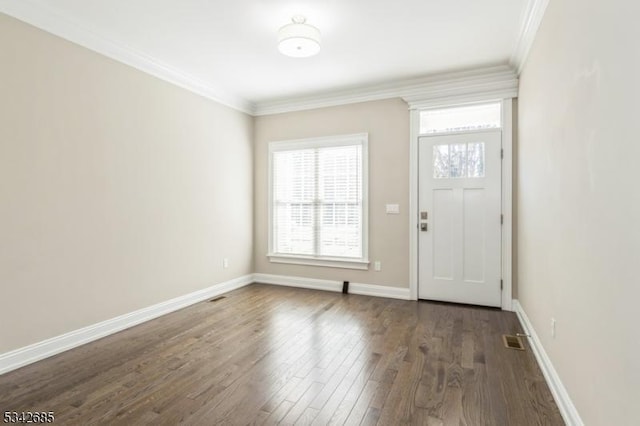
[294, 201]
[340, 201]
[317, 203]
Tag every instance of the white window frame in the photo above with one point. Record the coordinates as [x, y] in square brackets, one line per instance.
[323, 142]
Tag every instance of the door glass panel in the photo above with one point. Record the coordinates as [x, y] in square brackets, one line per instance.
[458, 160]
[475, 160]
[441, 161]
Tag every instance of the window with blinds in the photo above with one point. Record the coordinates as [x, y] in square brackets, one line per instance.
[318, 200]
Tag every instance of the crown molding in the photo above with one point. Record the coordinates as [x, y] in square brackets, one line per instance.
[478, 85]
[434, 90]
[493, 82]
[46, 19]
[532, 18]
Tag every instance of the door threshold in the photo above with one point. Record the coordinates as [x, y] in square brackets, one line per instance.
[462, 305]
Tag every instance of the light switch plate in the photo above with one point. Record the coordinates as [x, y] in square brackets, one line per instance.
[393, 209]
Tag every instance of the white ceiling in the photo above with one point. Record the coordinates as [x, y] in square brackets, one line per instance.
[230, 45]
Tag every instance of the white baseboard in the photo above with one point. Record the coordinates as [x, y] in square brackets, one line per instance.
[560, 394]
[379, 291]
[285, 280]
[330, 285]
[29, 354]
[46, 348]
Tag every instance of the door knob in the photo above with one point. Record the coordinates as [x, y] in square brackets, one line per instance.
[423, 227]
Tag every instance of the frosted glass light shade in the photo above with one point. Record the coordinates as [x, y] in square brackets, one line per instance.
[299, 40]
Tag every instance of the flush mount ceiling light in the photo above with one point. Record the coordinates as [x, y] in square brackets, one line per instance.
[298, 39]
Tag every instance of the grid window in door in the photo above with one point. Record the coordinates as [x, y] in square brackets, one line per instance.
[464, 160]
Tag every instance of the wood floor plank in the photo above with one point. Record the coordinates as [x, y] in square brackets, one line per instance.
[277, 355]
[359, 408]
[307, 417]
[337, 408]
[279, 413]
[302, 403]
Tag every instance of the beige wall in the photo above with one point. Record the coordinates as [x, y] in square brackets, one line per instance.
[387, 123]
[117, 190]
[579, 202]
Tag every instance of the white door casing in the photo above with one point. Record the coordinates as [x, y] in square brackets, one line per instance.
[459, 253]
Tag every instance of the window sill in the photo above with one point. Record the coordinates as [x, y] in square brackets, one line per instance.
[330, 262]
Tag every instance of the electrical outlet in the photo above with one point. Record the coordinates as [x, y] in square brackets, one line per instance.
[553, 328]
[225, 262]
[377, 266]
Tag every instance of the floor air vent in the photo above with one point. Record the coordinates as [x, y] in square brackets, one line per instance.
[215, 299]
[513, 342]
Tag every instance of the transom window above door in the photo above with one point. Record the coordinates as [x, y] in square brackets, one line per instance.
[461, 119]
[318, 201]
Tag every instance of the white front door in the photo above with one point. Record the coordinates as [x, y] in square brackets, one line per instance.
[460, 218]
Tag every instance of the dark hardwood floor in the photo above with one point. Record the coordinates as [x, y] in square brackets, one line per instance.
[267, 355]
